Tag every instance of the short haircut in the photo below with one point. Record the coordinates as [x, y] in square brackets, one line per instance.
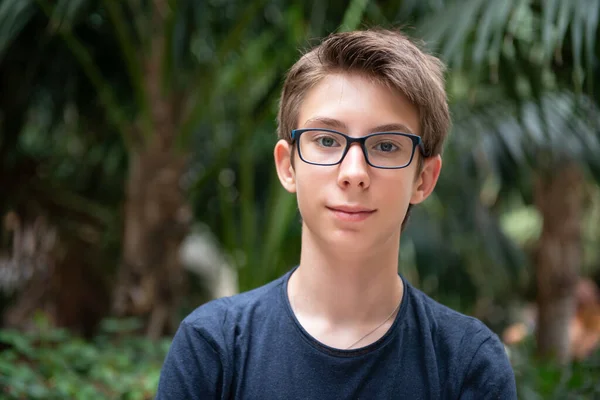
[388, 57]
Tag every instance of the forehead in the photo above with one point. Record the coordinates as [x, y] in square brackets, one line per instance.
[357, 105]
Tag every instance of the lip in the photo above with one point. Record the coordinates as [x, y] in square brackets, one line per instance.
[351, 213]
[351, 209]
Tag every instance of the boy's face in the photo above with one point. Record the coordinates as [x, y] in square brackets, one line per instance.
[352, 204]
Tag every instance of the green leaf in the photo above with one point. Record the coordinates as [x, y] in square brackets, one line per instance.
[577, 39]
[564, 17]
[204, 82]
[591, 28]
[281, 210]
[113, 325]
[450, 28]
[20, 342]
[106, 93]
[132, 55]
[493, 22]
[549, 13]
[353, 15]
[66, 11]
[14, 15]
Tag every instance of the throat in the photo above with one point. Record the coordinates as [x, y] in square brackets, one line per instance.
[344, 315]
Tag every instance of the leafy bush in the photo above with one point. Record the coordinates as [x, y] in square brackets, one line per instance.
[54, 364]
[538, 380]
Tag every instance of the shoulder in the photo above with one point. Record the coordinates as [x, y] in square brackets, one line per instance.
[200, 359]
[443, 322]
[219, 316]
[474, 356]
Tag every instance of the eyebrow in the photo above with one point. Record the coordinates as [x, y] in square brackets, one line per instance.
[337, 124]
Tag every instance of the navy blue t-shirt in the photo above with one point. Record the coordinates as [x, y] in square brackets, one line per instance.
[251, 346]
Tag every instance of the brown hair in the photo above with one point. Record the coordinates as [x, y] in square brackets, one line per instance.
[387, 56]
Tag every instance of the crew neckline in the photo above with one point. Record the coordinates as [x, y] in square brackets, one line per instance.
[333, 351]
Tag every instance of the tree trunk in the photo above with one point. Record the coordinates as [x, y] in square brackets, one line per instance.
[156, 213]
[559, 198]
[58, 276]
[156, 220]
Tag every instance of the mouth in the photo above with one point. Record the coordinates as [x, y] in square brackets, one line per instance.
[350, 213]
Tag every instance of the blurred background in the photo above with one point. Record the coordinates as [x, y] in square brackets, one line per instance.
[137, 179]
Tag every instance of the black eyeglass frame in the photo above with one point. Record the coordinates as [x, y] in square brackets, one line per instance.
[416, 141]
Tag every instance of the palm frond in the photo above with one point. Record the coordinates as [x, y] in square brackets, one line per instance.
[14, 16]
[66, 12]
[131, 53]
[534, 135]
[205, 79]
[91, 69]
[483, 34]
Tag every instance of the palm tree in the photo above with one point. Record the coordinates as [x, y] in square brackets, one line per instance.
[545, 163]
[156, 106]
[180, 87]
[535, 55]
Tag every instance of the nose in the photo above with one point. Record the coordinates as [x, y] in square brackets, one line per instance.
[354, 170]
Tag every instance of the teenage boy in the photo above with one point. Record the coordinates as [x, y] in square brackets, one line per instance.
[362, 121]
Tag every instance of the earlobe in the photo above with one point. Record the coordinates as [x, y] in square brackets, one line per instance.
[283, 164]
[427, 179]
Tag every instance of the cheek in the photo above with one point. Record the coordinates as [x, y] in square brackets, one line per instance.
[395, 194]
[309, 186]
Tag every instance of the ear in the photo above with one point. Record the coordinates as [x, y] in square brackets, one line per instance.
[427, 179]
[283, 164]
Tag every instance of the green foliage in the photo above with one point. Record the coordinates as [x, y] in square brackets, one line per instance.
[52, 364]
[354, 15]
[538, 380]
[526, 46]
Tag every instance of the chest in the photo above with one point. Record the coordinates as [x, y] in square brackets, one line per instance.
[297, 370]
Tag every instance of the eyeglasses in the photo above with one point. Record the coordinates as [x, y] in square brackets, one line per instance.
[387, 150]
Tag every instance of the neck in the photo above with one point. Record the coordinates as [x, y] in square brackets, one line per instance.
[343, 287]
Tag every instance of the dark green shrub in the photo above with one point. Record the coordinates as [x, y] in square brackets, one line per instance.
[53, 364]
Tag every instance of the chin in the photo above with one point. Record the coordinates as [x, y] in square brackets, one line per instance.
[351, 242]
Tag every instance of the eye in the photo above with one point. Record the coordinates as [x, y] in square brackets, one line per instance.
[386, 147]
[326, 141]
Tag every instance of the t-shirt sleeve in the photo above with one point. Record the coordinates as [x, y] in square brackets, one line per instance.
[193, 368]
[489, 374]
